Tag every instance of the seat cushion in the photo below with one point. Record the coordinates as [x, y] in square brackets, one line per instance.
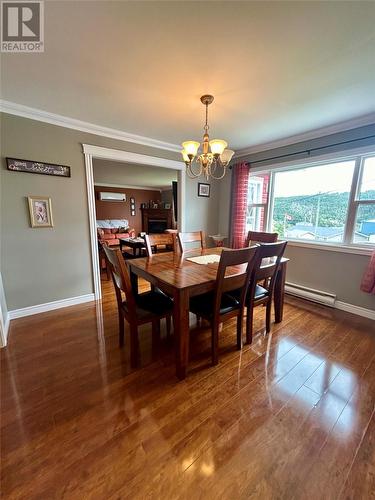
[155, 302]
[202, 305]
[260, 293]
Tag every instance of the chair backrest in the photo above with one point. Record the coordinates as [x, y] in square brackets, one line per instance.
[153, 240]
[263, 269]
[260, 237]
[245, 256]
[196, 236]
[120, 277]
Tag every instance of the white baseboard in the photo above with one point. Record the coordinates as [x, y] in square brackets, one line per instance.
[335, 304]
[50, 306]
[360, 311]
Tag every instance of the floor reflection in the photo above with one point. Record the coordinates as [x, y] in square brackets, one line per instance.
[332, 383]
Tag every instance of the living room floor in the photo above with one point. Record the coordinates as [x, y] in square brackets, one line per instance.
[290, 416]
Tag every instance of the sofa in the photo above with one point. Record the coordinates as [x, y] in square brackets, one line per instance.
[111, 230]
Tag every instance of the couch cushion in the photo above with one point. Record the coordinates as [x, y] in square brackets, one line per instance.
[108, 237]
[112, 243]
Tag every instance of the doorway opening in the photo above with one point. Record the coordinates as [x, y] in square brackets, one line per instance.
[99, 158]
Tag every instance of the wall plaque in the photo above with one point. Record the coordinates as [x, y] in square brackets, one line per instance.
[35, 167]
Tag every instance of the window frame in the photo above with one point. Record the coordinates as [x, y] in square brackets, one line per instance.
[347, 245]
[263, 205]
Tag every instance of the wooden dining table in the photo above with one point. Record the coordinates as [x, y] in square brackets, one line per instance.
[181, 279]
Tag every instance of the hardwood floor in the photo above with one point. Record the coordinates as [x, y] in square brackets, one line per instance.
[289, 417]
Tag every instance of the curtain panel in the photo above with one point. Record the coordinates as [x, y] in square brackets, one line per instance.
[368, 281]
[240, 182]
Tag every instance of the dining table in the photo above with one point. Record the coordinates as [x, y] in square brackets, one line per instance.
[181, 278]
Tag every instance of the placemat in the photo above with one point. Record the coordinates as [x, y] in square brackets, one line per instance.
[205, 259]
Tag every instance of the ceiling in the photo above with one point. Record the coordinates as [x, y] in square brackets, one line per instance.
[129, 174]
[275, 68]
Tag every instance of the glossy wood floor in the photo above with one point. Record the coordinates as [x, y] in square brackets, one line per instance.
[290, 417]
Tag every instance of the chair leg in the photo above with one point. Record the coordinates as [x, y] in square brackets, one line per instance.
[215, 343]
[121, 329]
[133, 345]
[249, 324]
[239, 331]
[168, 322]
[268, 316]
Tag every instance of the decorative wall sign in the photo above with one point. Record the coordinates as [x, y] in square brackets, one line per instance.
[204, 189]
[34, 167]
[40, 209]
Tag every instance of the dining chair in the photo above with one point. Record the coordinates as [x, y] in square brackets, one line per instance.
[219, 306]
[260, 237]
[164, 239]
[148, 307]
[194, 237]
[265, 269]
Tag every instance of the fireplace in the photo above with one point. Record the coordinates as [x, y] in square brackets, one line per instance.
[156, 220]
[157, 226]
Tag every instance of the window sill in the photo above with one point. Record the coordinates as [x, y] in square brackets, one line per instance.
[358, 250]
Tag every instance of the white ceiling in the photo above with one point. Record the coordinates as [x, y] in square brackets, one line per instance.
[275, 68]
[129, 174]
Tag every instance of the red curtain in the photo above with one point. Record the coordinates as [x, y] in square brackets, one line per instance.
[368, 281]
[240, 181]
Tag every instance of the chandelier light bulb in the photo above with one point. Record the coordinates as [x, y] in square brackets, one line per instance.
[226, 156]
[217, 146]
[185, 156]
[191, 147]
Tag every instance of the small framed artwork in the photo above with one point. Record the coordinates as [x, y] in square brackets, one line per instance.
[40, 208]
[132, 212]
[167, 206]
[204, 189]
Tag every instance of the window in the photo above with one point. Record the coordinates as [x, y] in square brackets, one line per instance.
[364, 227]
[257, 202]
[311, 203]
[332, 203]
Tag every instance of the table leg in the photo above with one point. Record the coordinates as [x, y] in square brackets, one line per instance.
[279, 292]
[181, 331]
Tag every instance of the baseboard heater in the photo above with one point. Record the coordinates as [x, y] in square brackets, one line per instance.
[328, 299]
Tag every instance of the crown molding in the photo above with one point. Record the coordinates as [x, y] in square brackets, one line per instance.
[127, 186]
[13, 108]
[361, 121]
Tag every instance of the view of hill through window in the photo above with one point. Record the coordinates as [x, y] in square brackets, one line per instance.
[312, 203]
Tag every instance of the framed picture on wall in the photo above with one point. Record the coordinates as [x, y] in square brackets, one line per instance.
[204, 189]
[132, 212]
[40, 208]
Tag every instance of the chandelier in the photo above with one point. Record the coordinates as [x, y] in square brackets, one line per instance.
[214, 158]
